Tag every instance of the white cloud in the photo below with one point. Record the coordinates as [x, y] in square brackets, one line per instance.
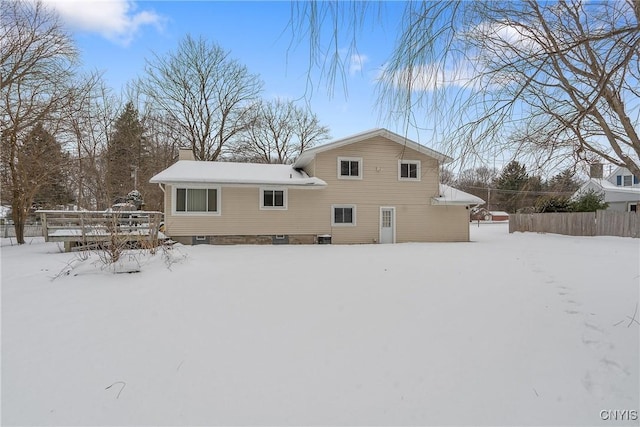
[116, 20]
[496, 44]
[356, 63]
[430, 77]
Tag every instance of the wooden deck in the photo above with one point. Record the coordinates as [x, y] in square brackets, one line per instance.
[83, 228]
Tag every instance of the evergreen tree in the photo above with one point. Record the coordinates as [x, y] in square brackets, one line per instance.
[590, 201]
[551, 203]
[510, 184]
[564, 182]
[126, 153]
[39, 177]
[531, 191]
[46, 163]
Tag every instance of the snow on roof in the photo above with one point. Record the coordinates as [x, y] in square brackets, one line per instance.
[607, 187]
[201, 172]
[452, 196]
[308, 155]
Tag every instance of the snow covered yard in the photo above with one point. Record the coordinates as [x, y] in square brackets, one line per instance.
[522, 329]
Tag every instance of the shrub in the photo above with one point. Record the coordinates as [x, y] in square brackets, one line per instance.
[590, 201]
[553, 204]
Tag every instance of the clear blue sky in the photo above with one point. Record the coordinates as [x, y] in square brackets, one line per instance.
[116, 36]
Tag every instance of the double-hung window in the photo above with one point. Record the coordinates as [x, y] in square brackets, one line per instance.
[343, 215]
[273, 198]
[197, 200]
[626, 180]
[350, 167]
[409, 170]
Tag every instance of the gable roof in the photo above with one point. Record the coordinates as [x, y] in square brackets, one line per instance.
[612, 192]
[201, 172]
[308, 155]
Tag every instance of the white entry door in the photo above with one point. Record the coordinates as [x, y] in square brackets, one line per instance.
[387, 225]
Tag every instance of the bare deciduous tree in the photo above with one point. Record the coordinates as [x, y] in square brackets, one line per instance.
[549, 79]
[204, 91]
[279, 133]
[163, 151]
[38, 63]
[91, 112]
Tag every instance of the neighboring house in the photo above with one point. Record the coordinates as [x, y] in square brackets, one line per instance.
[622, 177]
[373, 187]
[621, 190]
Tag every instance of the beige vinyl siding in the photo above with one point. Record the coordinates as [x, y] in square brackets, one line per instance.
[416, 219]
[310, 212]
[240, 214]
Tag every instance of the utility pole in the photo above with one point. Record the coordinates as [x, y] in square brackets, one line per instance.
[134, 175]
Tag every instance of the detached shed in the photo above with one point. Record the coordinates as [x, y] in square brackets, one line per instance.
[499, 216]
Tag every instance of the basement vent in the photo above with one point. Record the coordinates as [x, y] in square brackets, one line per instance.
[280, 239]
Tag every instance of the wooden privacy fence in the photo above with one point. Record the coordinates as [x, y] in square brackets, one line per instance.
[599, 223]
[79, 228]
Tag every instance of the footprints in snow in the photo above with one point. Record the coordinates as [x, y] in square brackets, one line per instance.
[597, 380]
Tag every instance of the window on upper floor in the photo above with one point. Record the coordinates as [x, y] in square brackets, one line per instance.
[409, 170]
[271, 198]
[197, 200]
[350, 167]
[626, 180]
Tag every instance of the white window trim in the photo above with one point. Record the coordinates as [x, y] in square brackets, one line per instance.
[632, 204]
[353, 216]
[350, 159]
[285, 200]
[174, 199]
[411, 162]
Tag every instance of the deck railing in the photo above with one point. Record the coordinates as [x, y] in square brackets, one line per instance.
[76, 228]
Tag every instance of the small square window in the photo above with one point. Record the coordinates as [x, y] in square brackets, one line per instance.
[343, 215]
[349, 168]
[273, 199]
[409, 170]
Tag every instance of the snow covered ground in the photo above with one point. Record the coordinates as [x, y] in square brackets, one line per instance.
[522, 329]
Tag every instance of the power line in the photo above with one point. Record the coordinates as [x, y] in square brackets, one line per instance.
[534, 192]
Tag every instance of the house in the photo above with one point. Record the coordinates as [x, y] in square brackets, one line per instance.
[373, 187]
[621, 190]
